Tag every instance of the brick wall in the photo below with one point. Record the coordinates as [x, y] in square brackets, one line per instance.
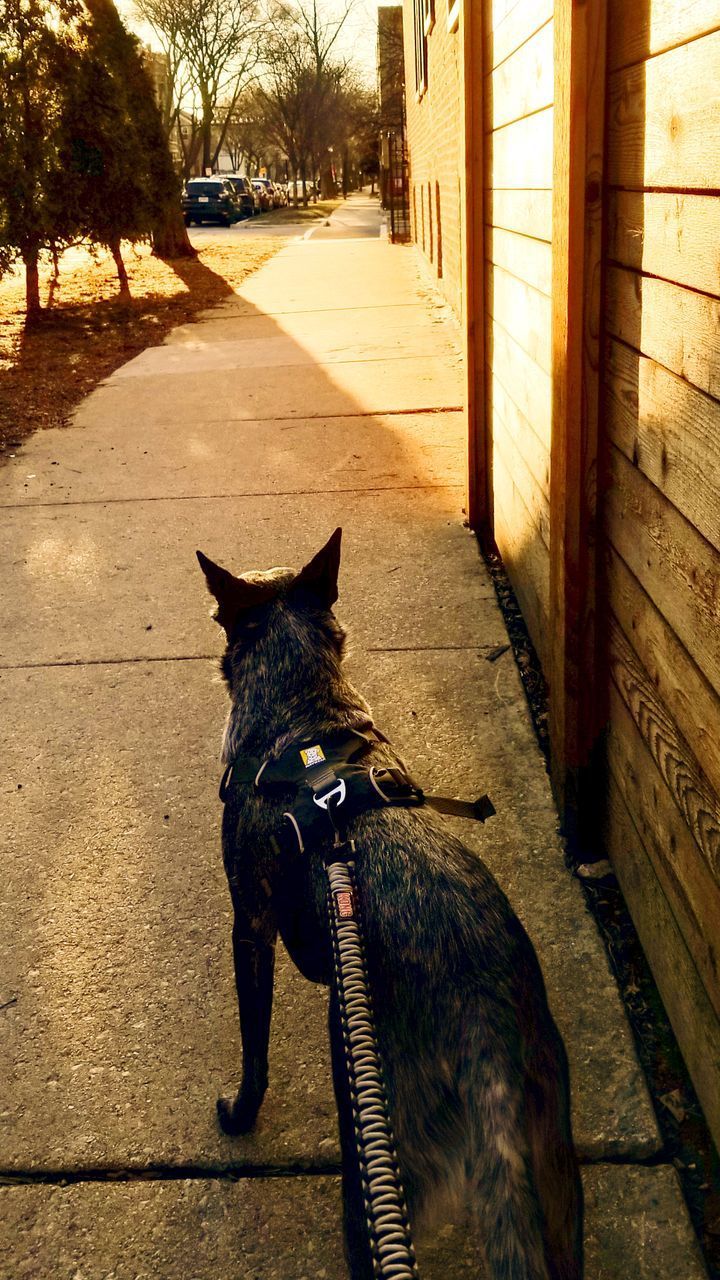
[436, 151]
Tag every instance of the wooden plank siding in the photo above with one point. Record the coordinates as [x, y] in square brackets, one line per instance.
[601, 344]
[681, 988]
[640, 30]
[507, 33]
[472, 198]
[518, 87]
[661, 233]
[676, 327]
[575, 710]
[664, 119]
[528, 213]
[691, 889]
[525, 258]
[661, 504]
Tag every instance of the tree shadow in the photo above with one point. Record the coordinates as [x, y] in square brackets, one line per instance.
[47, 369]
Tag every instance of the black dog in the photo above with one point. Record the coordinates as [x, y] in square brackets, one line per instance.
[475, 1069]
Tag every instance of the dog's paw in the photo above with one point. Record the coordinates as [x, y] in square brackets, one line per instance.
[235, 1116]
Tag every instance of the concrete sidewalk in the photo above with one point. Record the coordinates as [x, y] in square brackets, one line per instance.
[327, 393]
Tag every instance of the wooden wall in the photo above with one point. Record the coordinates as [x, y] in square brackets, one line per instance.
[598, 453]
[518, 162]
[661, 510]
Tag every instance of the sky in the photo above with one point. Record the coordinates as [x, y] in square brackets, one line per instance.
[357, 40]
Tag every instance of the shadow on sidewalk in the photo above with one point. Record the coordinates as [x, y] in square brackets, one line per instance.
[82, 336]
[251, 437]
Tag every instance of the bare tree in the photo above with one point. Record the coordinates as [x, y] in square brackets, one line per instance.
[168, 20]
[213, 47]
[299, 90]
[247, 136]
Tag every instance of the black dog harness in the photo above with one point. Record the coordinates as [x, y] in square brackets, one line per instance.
[332, 786]
[330, 781]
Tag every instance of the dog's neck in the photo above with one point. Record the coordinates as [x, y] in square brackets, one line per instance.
[289, 695]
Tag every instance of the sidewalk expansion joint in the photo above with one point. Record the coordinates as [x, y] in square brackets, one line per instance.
[214, 497]
[361, 413]
[318, 362]
[109, 662]
[214, 657]
[306, 311]
[230, 1172]
[656, 1160]
[430, 648]
[296, 418]
[233, 1171]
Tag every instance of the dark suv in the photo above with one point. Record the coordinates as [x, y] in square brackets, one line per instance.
[244, 193]
[210, 200]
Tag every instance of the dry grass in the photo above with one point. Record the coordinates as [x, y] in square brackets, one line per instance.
[87, 333]
[311, 213]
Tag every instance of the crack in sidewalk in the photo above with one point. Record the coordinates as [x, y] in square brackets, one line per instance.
[214, 497]
[215, 657]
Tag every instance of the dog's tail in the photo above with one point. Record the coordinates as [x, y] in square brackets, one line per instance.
[554, 1165]
[509, 1212]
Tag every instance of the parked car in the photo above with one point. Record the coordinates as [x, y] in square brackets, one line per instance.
[295, 188]
[210, 200]
[269, 186]
[260, 185]
[274, 192]
[249, 201]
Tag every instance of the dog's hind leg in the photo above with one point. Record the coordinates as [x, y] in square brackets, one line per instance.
[555, 1169]
[357, 1245]
[254, 956]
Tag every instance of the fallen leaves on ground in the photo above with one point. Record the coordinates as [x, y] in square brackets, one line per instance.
[88, 332]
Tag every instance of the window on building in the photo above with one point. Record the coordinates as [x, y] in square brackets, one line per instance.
[428, 8]
[453, 17]
[421, 58]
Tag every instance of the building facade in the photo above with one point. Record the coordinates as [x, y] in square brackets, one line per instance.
[434, 97]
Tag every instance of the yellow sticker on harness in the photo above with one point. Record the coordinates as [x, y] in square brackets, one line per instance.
[312, 755]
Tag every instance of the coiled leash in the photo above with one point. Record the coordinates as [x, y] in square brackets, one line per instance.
[333, 786]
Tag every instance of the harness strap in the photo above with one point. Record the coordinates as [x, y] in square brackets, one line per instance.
[480, 809]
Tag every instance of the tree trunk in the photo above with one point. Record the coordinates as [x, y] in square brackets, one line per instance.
[32, 286]
[170, 238]
[207, 120]
[120, 268]
[55, 276]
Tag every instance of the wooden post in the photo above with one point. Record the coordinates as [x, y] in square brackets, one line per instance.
[580, 30]
[479, 473]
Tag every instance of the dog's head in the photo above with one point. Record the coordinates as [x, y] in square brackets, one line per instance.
[281, 606]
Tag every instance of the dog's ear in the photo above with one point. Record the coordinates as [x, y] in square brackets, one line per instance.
[320, 576]
[232, 594]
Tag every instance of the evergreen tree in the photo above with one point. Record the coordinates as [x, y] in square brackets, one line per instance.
[119, 182]
[169, 235]
[33, 53]
[104, 194]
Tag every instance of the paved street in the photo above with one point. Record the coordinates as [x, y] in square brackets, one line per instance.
[327, 393]
[357, 218]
